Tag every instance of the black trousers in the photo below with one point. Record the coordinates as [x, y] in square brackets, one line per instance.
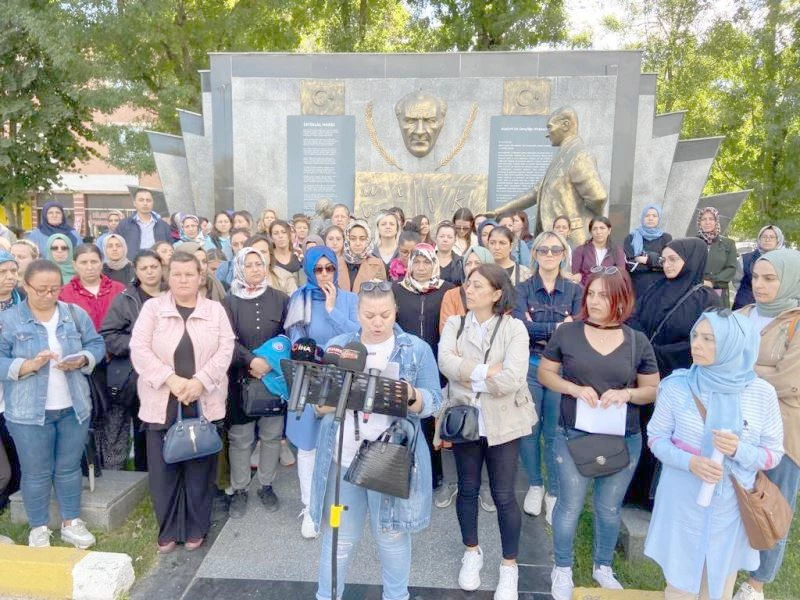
[501, 464]
[9, 465]
[183, 493]
[429, 429]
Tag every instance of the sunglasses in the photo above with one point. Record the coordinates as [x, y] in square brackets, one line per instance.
[545, 250]
[59, 248]
[605, 270]
[724, 313]
[372, 286]
[325, 269]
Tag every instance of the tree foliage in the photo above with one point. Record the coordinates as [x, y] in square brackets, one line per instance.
[45, 97]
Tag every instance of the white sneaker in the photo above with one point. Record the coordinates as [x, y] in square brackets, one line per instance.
[507, 585]
[76, 534]
[549, 505]
[39, 537]
[605, 577]
[748, 592]
[562, 586]
[485, 500]
[5, 540]
[533, 500]
[469, 577]
[307, 529]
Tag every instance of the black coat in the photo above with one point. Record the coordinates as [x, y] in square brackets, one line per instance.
[125, 275]
[454, 272]
[645, 274]
[744, 295]
[254, 321]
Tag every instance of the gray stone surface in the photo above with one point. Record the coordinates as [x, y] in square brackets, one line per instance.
[115, 496]
[199, 162]
[635, 523]
[170, 156]
[245, 547]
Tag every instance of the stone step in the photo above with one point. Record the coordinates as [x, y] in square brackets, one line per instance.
[115, 496]
[635, 523]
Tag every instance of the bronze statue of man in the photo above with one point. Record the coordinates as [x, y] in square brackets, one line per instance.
[571, 186]
[421, 117]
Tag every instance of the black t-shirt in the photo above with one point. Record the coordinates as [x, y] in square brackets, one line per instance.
[293, 266]
[583, 365]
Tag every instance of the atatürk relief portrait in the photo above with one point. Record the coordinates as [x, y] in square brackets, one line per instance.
[420, 117]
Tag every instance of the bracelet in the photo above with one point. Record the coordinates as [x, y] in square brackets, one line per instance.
[412, 401]
[630, 394]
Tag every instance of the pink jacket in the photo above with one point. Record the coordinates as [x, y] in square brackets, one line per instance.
[155, 337]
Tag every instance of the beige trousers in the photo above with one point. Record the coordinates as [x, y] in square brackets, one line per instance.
[673, 593]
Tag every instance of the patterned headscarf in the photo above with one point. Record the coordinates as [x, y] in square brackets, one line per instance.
[421, 287]
[239, 286]
[709, 238]
[351, 258]
[200, 238]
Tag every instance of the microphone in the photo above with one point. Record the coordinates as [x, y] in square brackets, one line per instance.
[303, 352]
[353, 360]
[369, 396]
[330, 358]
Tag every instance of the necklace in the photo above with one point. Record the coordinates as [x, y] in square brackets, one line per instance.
[603, 331]
[598, 326]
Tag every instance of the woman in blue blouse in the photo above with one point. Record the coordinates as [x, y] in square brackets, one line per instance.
[319, 310]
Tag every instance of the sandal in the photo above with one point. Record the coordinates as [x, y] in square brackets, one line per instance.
[166, 548]
[192, 545]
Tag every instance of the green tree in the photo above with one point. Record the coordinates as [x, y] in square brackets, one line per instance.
[497, 25]
[45, 97]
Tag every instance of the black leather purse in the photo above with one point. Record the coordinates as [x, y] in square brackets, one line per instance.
[385, 465]
[459, 423]
[599, 454]
[258, 401]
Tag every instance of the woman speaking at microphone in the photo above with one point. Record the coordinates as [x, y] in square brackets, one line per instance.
[392, 520]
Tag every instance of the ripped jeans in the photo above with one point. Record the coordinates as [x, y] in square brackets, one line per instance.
[394, 549]
[607, 495]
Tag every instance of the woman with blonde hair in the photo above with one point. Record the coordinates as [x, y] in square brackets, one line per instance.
[267, 218]
[387, 230]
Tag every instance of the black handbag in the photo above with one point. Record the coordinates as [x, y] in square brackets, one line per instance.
[385, 465]
[460, 423]
[121, 381]
[258, 401]
[599, 454]
[188, 439]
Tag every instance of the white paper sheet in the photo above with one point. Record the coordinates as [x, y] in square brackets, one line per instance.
[609, 420]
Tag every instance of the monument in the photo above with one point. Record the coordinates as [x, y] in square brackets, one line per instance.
[435, 132]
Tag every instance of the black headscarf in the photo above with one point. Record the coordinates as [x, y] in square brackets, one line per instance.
[665, 293]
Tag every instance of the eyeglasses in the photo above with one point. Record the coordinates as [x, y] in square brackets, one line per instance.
[372, 286]
[59, 248]
[612, 270]
[545, 250]
[324, 269]
[52, 291]
[462, 228]
[724, 313]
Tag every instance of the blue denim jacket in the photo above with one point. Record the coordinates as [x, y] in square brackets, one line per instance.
[21, 338]
[418, 367]
[546, 310]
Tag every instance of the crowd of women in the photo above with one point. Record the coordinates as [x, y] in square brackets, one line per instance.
[117, 340]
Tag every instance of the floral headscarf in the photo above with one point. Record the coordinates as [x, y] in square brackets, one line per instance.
[421, 287]
[200, 238]
[709, 238]
[348, 253]
[239, 286]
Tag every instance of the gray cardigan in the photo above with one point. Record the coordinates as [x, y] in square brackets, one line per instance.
[507, 407]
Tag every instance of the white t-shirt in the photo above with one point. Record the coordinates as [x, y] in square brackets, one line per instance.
[57, 389]
[758, 320]
[377, 358]
[600, 254]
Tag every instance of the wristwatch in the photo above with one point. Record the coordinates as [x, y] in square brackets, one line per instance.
[413, 399]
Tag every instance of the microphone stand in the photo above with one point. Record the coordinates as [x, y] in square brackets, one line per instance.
[337, 509]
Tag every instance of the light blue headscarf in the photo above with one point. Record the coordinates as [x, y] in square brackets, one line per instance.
[737, 342]
[298, 314]
[642, 233]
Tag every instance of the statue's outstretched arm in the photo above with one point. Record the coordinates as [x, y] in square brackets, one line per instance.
[521, 202]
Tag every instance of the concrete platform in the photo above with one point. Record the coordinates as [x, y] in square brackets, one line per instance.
[635, 523]
[115, 496]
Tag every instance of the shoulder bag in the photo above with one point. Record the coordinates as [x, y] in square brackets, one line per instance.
[258, 401]
[765, 513]
[187, 439]
[599, 454]
[677, 305]
[460, 422]
[384, 465]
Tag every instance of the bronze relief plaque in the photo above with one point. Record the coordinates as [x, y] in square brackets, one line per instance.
[526, 96]
[322, 97]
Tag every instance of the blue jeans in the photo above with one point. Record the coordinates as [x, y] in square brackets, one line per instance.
[394, 549]
[548, 409]
[787, 477]
[50, 456]
[607, 495]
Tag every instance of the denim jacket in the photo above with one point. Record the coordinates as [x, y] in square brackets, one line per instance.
[21, 338]
[545, 310]
[418, 367]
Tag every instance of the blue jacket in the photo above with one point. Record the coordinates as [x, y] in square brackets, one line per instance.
[224, 273]
[21, 338]
[323, 326]
[545, 310]
[418, 367]
[129, 229]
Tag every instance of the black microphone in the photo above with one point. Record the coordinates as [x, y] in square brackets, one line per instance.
[369, 395]
[303, 352]
[352, 361]
[330, 358]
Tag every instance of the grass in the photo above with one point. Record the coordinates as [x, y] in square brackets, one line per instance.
[136, 537]
[646, 574]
